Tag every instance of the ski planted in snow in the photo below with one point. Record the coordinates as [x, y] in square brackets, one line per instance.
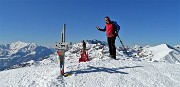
[61, 48]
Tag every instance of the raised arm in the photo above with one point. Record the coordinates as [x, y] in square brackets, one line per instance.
[100, 28]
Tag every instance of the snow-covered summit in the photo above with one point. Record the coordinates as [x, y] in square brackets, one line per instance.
[95, 41]
[18, 52]
[17, 46]
[163, 53]
[137, 47]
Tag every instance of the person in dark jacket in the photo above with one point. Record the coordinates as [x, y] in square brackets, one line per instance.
[111, 29]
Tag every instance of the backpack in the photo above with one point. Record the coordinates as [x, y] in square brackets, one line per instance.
[117, 27]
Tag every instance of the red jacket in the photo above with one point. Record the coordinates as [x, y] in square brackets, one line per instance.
[110, 30]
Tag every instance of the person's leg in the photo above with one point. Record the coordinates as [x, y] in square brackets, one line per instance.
[109, 43]
[113, 47]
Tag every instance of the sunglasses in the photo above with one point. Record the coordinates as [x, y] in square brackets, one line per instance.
[107, 20]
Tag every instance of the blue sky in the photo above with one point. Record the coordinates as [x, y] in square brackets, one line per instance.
[143, 22]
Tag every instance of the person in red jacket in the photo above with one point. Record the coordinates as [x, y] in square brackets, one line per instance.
[111, 29]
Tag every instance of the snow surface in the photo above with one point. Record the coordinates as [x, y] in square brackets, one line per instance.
[104, 72]
[101, 71]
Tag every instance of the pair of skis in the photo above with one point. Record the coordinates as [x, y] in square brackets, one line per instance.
[61, 48]
[61, 54]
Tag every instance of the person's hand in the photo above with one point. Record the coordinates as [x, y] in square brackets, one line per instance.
[116, 33]
[97, 27]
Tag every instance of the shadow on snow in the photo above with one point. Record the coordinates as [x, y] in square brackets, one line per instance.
[91, 69]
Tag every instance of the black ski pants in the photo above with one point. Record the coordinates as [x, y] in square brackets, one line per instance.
[112, 47]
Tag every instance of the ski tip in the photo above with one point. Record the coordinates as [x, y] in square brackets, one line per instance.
[67, 74]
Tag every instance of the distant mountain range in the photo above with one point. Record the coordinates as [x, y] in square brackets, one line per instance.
[19, 52]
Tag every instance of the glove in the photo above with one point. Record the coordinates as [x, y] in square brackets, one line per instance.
[97, 27]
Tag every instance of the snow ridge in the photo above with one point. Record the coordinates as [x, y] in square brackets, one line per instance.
[161, 53]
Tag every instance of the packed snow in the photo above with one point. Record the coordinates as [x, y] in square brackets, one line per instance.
[156, 66]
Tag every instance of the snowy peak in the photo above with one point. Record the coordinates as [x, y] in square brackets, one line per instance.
[20, 46]
[161, 48]
[13, 48]
[137, 47]
[164, 49]
[18, 52]
[163, 52]
[94, 41]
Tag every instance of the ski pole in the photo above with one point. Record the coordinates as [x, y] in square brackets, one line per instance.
[122, 44]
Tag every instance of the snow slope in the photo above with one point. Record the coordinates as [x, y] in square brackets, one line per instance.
[103, 72]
